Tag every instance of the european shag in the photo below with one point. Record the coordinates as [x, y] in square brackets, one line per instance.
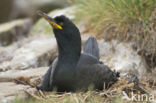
[73, 70]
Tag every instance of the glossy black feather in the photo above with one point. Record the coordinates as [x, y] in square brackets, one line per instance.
[91, 47]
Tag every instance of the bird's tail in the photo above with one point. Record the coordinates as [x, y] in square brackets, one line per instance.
[91, 47]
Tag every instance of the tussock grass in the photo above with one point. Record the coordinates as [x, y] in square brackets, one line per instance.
[128, 20]
[101, 13]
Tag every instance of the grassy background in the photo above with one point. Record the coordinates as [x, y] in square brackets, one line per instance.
[125, 20]
[120, 13]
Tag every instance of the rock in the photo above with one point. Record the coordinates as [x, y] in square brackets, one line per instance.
[13, 9]
[6, 53]
[9, 91]
[27, 8]
[121, 57]
[43, 27]
[13, 31]
[47, 5]
[4, 66]
[37, 53]
[8, 99]
[29, 73]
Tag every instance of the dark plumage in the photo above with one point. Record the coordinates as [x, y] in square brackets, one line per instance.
[73, 70]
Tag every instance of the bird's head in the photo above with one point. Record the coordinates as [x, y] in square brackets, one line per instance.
[66, 33]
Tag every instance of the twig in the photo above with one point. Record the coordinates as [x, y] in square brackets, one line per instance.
[144, 90]
[42, 94]
[22, 82]
[34, 96]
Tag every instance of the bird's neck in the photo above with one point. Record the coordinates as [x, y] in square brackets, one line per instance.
[69, 46]
[68, 56]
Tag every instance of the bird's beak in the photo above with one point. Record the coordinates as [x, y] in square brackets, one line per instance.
[49, 19]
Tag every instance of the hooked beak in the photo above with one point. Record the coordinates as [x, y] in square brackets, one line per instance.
[49, 19]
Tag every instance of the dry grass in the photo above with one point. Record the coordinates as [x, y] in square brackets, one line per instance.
[113, 94]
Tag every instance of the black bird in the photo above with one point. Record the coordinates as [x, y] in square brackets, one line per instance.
[73, 70]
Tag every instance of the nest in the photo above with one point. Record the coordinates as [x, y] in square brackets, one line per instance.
[122, 89]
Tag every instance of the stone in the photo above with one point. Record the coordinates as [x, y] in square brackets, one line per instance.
[10, 90]
[4, 66]
[6, 53]
[29, 73]
[14, 30]
[37, 53]
[121, 57]
[13, 9]
[27, 8]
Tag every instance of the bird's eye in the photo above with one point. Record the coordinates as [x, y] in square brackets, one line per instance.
[61, 23]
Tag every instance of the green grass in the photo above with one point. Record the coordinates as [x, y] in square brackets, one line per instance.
[128, 20]
[101, 13]
[89, 97]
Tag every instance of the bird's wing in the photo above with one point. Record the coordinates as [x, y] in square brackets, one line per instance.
[47, 83]
[86, 59]
[53, 66]
[97, 74]
[91, 47]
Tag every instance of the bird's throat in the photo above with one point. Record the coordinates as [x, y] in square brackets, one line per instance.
[68, 57]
